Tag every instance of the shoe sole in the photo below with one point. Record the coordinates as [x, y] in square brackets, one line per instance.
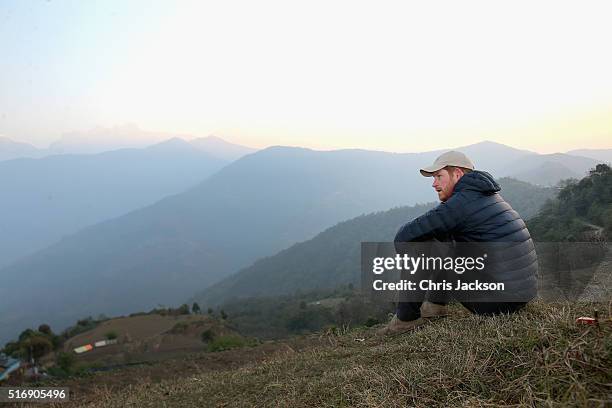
[397, 333]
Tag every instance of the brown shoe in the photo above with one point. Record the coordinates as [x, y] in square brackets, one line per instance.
[430, 310]
[397, 326]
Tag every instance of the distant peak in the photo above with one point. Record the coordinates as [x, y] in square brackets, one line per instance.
[211, 139]
[14, 143]
[220, 148]
[489, 144]
[215, 138]
[174, 142]
[5, 139]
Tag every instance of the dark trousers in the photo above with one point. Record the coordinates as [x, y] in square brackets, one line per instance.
[407, 311]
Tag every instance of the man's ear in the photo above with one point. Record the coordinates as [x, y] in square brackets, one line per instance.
[458, 173]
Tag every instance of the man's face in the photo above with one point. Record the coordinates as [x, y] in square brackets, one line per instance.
[444, 183]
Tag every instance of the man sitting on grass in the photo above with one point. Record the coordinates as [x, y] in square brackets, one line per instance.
[471, 210]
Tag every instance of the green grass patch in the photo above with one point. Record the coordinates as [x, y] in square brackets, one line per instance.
[228, 342]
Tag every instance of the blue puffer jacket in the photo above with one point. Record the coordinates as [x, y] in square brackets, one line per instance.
[477, 213]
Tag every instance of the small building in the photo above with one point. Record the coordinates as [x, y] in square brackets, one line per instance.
[83, 349]
[103, 343]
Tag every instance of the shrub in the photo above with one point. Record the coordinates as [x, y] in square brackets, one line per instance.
[58, 372]
[65, 361]
[180, 327]
[183, 309]
[227, 342]
[208, 335]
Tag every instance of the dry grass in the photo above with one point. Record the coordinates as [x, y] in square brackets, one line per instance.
[539, 357]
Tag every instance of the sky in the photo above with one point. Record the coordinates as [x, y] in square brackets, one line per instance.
[387, 75]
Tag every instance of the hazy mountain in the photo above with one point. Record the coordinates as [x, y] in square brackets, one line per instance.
[548, 173]
[603, 155]
[548, 169]
[220, 148]
[162, 253]
[494, 157]
[254, 207]
[45, 199]
[332, 258]
[541, 169]
[10, 149]
[99, 140]
[102, 139]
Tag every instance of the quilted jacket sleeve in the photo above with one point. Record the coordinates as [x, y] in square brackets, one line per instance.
[436, 223]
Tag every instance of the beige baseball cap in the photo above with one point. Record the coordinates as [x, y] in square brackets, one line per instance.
[452, 158]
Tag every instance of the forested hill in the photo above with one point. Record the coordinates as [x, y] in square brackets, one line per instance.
[332, 258]
[581, 209]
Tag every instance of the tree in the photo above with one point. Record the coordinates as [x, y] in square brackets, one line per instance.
[45, 328]
[36, 346]
[12, 349]
[27, 333]
[195, 308]
[183, 309]
[210, 311]
[223, 314]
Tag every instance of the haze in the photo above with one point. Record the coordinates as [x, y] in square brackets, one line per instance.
[396, 76]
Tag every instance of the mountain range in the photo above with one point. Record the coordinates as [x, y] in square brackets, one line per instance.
[45, 199]
[10, 149]
[103, 140]
[253, 207]
[602, 155]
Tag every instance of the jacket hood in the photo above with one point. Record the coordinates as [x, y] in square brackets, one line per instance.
[477, 180]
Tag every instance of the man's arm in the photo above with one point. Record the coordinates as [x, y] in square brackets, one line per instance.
[436, 223]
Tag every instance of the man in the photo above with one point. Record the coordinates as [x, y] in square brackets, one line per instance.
[471, 210]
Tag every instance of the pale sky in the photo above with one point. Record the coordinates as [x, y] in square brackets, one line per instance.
[384, 75]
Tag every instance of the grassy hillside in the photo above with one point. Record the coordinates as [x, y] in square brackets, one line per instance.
[539, 357]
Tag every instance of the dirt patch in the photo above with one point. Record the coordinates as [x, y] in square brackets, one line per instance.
[136, 328]
[146, 338]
